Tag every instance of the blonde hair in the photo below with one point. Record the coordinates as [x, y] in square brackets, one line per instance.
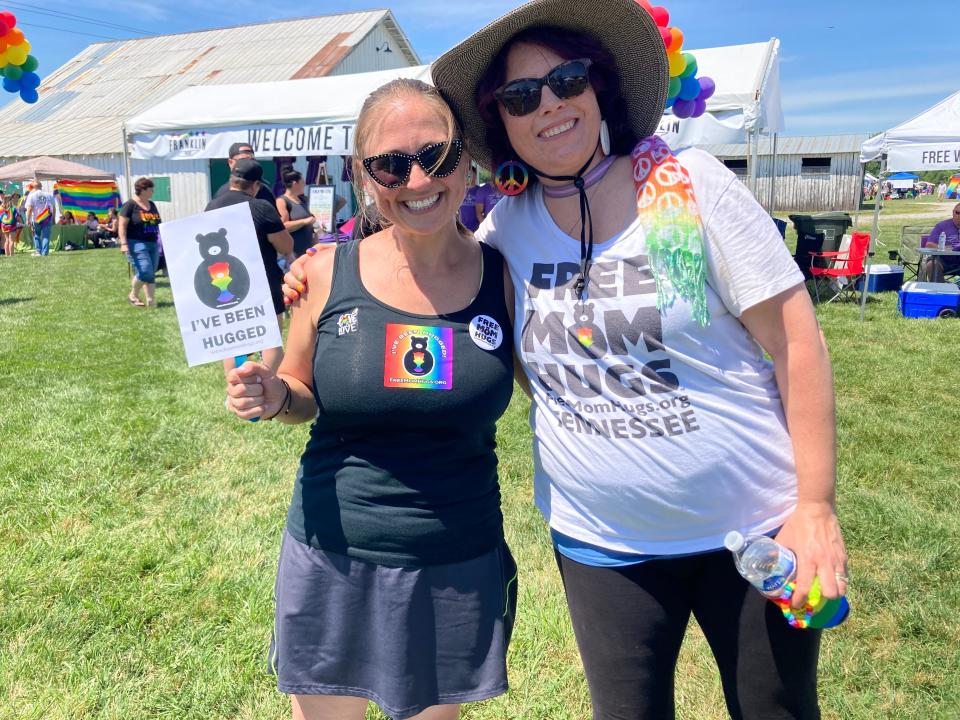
[394, 93]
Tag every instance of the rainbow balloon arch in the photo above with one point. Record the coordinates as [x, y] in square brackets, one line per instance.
[688, 94]
[17, 66]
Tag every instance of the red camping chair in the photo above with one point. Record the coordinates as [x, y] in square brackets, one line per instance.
[845, 269]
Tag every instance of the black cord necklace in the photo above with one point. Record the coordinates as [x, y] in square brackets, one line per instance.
[586, 221]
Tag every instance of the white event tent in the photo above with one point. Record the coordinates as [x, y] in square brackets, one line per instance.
[930, 141]
[313, 116]
[745, 105]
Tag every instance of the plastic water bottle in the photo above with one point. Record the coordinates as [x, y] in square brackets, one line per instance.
[771, 568]
[942, 242]
[763, 562]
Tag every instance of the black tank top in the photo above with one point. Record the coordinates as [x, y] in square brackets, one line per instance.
[400, 467]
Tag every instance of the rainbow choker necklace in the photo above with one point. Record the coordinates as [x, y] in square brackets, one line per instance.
[591, 178]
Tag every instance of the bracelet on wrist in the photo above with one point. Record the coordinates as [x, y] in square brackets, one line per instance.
[286, 403]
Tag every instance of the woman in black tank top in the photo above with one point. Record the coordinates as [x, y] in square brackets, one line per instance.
[402, 357]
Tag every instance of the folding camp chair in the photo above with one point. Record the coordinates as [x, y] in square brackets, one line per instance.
[845, 269]
[911, 238]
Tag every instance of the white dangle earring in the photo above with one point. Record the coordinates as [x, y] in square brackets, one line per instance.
[604, 137]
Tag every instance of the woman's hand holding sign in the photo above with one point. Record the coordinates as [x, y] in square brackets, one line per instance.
[254, 390]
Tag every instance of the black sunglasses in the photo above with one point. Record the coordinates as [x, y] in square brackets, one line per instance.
[566, 80]
[392, 169]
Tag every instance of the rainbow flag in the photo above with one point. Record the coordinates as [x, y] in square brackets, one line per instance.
[953, 188]
[96, 196]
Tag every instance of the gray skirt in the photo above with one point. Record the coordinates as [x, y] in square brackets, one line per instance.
[404, 638]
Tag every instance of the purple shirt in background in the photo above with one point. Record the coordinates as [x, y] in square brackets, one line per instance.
[948, 227]
[485, 195]
[468, 213]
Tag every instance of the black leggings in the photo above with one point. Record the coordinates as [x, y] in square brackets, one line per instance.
[630, 621]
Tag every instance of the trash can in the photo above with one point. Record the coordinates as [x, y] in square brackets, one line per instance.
[808, 241]
[833, 225]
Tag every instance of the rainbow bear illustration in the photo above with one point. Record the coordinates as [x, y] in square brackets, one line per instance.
[221, 281]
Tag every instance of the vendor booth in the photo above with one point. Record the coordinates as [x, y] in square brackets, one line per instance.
[290, 118]
[929, 141]
[902, 183]
[82, 185]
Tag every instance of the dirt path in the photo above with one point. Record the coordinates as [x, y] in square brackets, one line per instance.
[939, 210]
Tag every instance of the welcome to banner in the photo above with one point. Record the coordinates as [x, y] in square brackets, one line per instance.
[80, 198]
[266, 141]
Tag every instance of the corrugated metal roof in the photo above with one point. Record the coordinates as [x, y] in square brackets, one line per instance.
[83, 103]
[810, 145]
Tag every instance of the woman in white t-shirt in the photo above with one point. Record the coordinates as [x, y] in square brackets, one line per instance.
[648, 286]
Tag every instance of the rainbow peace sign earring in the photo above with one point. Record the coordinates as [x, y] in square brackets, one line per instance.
[505, 178]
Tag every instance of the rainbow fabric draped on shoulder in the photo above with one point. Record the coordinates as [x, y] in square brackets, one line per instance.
[668, 212]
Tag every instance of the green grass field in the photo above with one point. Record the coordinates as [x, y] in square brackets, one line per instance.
[140, 523]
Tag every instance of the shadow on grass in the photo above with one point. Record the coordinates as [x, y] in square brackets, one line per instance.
[14, 301]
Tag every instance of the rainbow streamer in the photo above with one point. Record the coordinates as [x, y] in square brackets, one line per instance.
[96, 196]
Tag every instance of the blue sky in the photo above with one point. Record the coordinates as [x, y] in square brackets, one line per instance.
[845, 66]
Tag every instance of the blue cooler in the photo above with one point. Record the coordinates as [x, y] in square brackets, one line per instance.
[928, 300]
[883, 278]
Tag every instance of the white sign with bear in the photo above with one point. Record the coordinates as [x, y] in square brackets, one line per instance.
[219, 285]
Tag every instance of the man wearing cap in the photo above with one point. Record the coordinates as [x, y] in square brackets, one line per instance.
[244, 151]
[243, 187]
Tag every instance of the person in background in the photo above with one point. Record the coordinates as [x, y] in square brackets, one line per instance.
[109, 228]
[39, 208]
[67, 218]
[489, 196]
[8, 224]
[244, 151]
[471, 211]
[93, 231]
[936, 266]
[18, 202]
[138, 228]
[274, 239]
[395, 583]
[294, 213]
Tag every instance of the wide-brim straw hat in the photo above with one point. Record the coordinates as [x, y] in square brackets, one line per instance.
[623, 27]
